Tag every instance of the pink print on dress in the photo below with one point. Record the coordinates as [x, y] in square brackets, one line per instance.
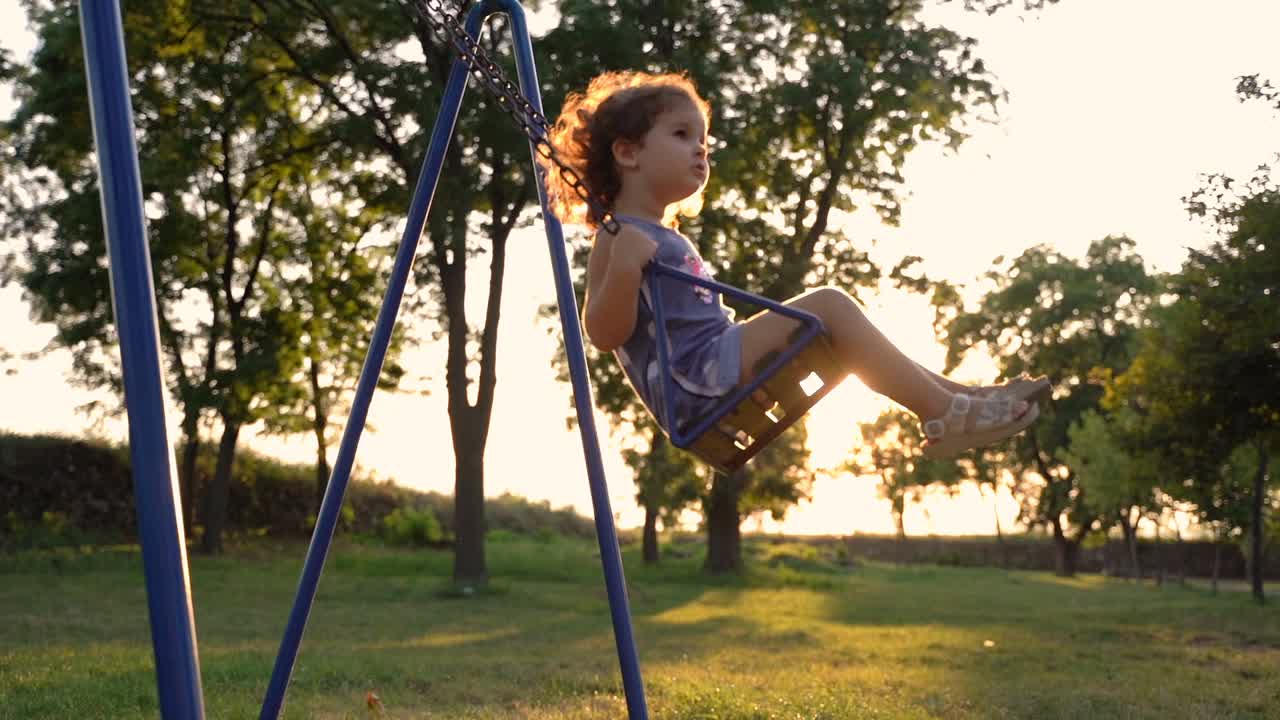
[695, 267]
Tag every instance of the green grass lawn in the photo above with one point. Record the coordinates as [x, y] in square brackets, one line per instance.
[798, 637]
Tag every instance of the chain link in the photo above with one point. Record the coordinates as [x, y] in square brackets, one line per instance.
[448, 26]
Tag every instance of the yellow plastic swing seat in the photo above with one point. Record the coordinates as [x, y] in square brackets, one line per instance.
[780, 401]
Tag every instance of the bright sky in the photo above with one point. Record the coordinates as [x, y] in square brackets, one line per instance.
[1115, 110]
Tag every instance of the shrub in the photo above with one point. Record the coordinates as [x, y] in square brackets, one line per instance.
[500, 536]
[412, 527]
[527, 517]
[52, 530]
[57, 490]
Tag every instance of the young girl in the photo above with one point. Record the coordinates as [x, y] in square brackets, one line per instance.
[639, 142]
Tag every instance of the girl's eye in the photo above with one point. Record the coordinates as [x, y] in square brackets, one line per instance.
[681, 133]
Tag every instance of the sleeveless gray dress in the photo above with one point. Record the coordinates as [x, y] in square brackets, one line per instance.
[705, 346]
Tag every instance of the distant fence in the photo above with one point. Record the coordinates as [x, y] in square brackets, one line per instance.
[1194, 559]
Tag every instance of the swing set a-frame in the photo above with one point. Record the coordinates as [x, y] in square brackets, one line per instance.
[782, 390]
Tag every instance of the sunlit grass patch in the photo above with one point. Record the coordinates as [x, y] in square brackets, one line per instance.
[802, 634]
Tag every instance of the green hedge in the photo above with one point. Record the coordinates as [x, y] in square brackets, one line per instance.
[59, 490]
[52, 485]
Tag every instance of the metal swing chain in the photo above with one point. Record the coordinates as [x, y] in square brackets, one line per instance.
[447, 26]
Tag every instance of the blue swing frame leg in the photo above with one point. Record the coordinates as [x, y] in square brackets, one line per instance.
[157, 495]
[335, 491]
[160, 530]
[606, 534]
[331, 504]
[423, 193]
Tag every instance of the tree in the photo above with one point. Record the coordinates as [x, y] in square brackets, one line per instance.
[815, 107]
[1234, 279]
[779, 478]
[991, 7]
[328, 286]
[219, 132]
[667, 481]
[1224, 502]
[1207, 376]
[891, 448]
[1116, 470]
[1073, 320]
[256, 275]
[383, 105]
[988, 469]
[592, 37]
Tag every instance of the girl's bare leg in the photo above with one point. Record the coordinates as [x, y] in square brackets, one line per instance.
[865, 351]
[947, 383]
[1031, 388]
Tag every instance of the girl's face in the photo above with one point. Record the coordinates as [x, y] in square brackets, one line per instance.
[672, 157]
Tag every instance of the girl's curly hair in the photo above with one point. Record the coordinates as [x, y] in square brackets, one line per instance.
[616, 105]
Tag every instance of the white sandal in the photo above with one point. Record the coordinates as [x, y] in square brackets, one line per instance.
[993, 421]
[1022, 387]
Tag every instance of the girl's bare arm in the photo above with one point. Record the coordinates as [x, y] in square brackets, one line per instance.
[613, 286]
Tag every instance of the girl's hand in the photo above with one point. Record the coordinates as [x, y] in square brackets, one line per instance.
[632, 250]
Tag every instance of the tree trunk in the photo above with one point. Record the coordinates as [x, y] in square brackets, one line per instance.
[724, 535]
[652, 479]
[1065, 551]
[469, 567]
[995, 512]
[1000, 532]
[322, 472]
[1130, 531]
[469, 423]
[1256, 527]
[651, 551]
[215, 515]
[1158, 552]
[1181, 551]
[1217, 562]
[320, 427]
[898, 508]
[187, 479]
[187, 474]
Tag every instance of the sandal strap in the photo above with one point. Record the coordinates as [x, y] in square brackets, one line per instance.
[956, 414]
[935, 429]
[993, 412]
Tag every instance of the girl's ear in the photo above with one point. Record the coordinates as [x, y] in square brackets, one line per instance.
[625, 152]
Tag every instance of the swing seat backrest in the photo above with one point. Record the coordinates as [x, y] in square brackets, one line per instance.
[746, 426]
[783, 387]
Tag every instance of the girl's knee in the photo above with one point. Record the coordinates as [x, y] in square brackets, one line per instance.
[831, 301]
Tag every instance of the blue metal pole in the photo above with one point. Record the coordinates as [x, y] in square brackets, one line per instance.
[331, 505]
[164, 552]
[606, 535]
